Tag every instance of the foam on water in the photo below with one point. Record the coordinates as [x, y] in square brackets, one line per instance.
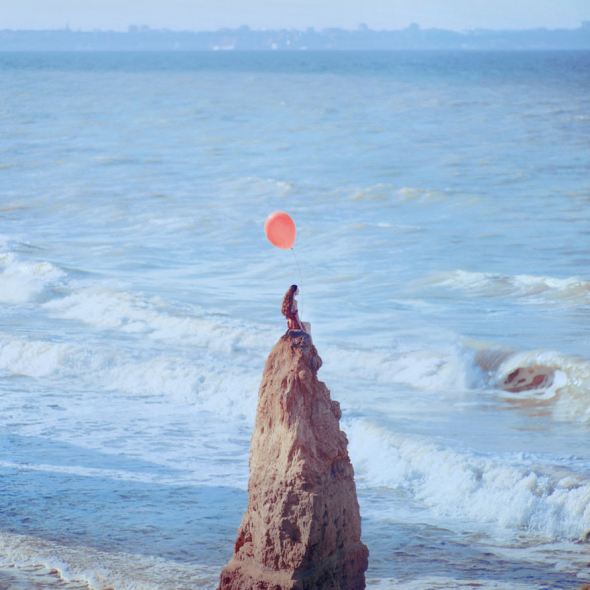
[565, 380]
[19, 356]
[513, 492]
[449, 367]
[36, 577]
[199, 380]
[102, 569]
[218, 385]
[118, 310]
[534, 289]
[21, 282]
[442, 583]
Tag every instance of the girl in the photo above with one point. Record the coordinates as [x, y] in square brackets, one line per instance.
[289, 310]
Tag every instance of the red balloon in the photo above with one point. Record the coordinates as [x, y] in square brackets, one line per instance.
[280, 230]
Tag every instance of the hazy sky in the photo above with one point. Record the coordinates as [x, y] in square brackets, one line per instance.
[201, 15]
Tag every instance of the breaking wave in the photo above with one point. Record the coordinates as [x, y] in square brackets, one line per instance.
[99, 569]
[449, 367]
[232, 346]
[559, 380]
[573, 290]
[110, 309]
[217, 385]
[21, 282]
[512, 492]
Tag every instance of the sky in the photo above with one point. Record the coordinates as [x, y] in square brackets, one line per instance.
[201, 15]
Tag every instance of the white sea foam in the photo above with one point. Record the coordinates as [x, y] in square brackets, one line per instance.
[110, 309]
[512, 492]
[223, 387]
[573, 290]
[21, 282]
[446, 367]
[459, 367]
[566, 390]
[101, 569]
[105, 474]
[444, 583]
[449, 367]
[37, 358]
[570, 385]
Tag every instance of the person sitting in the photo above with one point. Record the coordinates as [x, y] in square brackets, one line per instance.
[289, 310]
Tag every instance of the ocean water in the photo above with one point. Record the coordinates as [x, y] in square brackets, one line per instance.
[443, 209]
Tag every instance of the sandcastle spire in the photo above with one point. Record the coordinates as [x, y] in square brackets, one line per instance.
[302, 528]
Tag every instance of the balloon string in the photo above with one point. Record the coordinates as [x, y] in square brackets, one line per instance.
[300, 276]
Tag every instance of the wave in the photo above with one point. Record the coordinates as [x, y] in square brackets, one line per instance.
[36, 358]
[223, 386]
[262, 187]
[573, 290]
[21, 282]
[111, 309]
[387, 192]
[233, 347]
[559, 380]
[101, 569]
[443, 366]
[447, 368]
[470, 486]
[445, 583]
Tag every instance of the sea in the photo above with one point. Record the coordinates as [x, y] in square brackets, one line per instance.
[442, 205]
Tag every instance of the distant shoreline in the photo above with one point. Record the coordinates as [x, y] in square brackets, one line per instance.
[246, 39]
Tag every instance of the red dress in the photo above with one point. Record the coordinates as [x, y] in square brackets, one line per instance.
[293, 322]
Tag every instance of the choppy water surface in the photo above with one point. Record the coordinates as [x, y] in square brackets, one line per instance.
[442, 202]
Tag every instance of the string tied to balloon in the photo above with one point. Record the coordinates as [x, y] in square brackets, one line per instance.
[281, 232]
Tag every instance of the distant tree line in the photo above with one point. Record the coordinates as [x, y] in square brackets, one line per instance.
[246, 39]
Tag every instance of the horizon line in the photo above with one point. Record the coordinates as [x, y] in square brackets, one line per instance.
[361, 28]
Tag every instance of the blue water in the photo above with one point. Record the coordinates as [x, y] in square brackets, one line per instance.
[441, 201]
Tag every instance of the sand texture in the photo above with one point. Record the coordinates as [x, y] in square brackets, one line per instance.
[302, 527]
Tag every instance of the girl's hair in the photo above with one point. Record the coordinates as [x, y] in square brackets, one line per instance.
[288, 300]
